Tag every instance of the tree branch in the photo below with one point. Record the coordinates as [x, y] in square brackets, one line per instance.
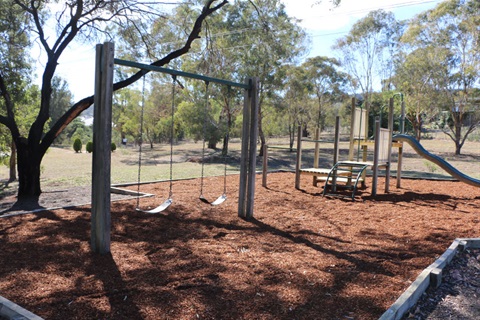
[33, 10]
[194, 34]
[85, 103]
[471, 128]
[449, 134]
[9, 120]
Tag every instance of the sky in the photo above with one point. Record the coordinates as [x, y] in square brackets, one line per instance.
[323, 23]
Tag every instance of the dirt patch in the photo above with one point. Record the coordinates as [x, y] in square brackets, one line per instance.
[304, 256]
[51, 199]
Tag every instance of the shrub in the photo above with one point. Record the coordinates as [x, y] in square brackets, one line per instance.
[114, 146]
[431, 166]
[77, 145]
[89, 147]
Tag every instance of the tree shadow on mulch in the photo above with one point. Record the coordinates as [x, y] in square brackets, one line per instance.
[24, 205]
[302, 257]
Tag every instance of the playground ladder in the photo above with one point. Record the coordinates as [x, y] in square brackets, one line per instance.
[347, 172]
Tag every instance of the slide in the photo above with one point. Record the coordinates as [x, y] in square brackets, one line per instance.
[436, 159]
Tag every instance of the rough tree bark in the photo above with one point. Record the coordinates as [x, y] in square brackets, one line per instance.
[13, 163]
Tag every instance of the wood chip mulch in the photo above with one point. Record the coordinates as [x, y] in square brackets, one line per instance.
[304, 256]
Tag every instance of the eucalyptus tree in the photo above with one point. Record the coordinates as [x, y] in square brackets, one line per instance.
[143, 114]
[326, 83]
[24, 105]
[365, 51]
[257, 39]
[61, 98]
[201, 121]
[126, 109]
[209, 110]
[83, 20]
[61, 101]
[416, 76]
[451, 33]
[14, 43]
[203, 58]
[296, 97]
[159, 108]
[216, 60]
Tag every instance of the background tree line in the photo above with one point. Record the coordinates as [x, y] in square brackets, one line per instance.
[432, 60]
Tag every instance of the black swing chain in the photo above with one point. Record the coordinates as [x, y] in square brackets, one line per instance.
[172, 131]
[140, 143]
[204, 135]
[226, 138]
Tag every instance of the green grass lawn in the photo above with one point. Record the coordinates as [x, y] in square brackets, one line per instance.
[63, 168]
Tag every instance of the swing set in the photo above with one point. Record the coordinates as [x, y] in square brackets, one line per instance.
[169, 200]
[102, 127]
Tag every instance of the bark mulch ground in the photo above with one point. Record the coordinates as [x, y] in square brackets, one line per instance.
[304, 256]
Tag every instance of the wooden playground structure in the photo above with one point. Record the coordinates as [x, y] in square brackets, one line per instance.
[350, 173]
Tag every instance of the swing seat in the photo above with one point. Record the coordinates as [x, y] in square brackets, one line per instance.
[158, 209]
[218, 201]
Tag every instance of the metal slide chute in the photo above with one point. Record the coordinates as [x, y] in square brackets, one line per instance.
[420, 150]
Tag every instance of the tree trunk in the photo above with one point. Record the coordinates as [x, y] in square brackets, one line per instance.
[417, 126]
[225, 145]
[28, 170]
[305, 130]
[212, 145]
[261, 135]
[458, 148]
[458, 139]
[291, 135]
[226, 138]
[13, 163]
[458, 131]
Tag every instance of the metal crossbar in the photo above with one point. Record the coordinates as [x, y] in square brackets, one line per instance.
[181, 73]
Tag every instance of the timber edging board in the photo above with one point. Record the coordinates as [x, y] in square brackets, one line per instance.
[431, 276]
[12, 311]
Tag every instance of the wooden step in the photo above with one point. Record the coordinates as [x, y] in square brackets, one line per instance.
[339, 179]
[322, 172]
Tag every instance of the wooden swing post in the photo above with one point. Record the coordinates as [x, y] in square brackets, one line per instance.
[102, 140]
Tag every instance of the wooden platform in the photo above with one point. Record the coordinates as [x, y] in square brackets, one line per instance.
[318, 171]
